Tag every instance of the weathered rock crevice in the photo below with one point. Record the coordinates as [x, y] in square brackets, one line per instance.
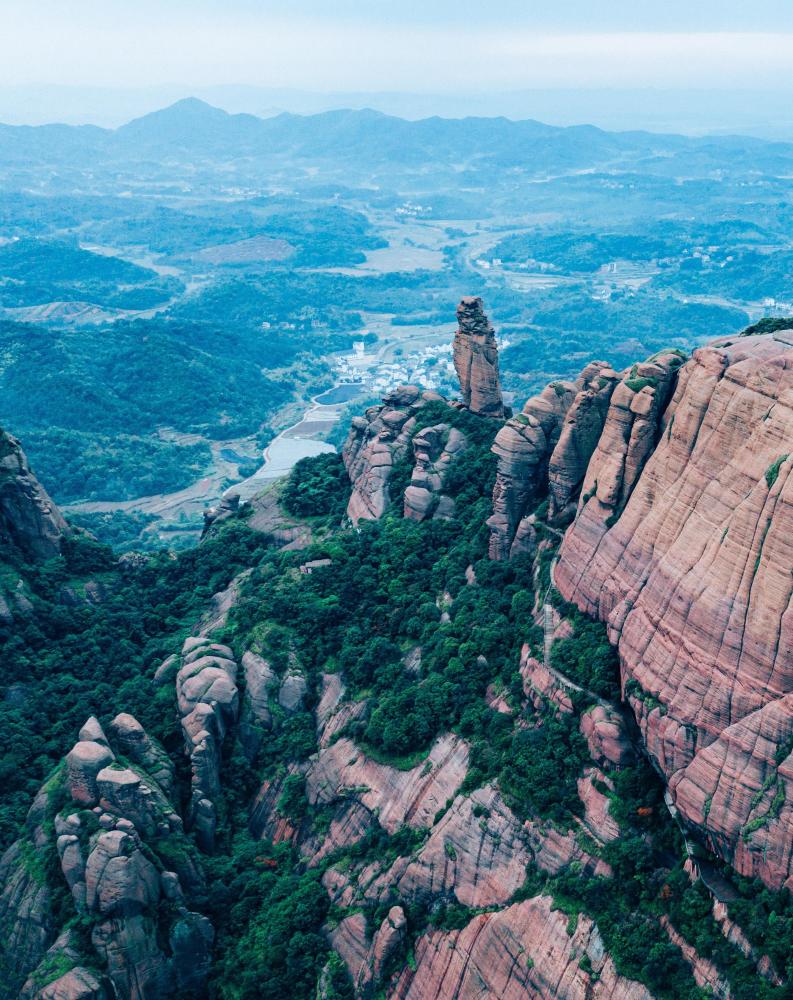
[682, 546]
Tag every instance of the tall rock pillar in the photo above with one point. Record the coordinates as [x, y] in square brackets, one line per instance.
[476, 360]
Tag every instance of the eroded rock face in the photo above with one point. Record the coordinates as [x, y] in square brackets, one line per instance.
[109, 861]
[135, 743]
[208, 702]
[119, 879]
[685, 550]
[376, 442]
[29, 521]
[706, 974]
[78, 983]
[523, 447]
[255, 717]
[736, 936]
[477, 851]
[398, 797]
[632, 427]
[607, 737]
[435, 449]
[269, 517]
[475, 354]
[367, 960]
[490, 956]
[26, 917]
[580, 433]
[546, 450]
[83, 763]
[292, 690]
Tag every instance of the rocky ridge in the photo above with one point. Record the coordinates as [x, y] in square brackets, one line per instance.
[671, 482]
[470, 848]
[681, 545]
[30, 522]
[545, 449]
[101, 818]
[208, 701]
[376, 443]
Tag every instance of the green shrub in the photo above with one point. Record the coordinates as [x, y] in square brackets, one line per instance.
[772, 472]
[316, 487]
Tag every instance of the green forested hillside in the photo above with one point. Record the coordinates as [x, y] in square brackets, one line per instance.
[69, 391]
[358, 616]
[35, 272]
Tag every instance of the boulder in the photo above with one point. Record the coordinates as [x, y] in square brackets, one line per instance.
[83, 762]
[607, 738]
[228, 507]
[435, 449]
[122, 792]
[292, 691]
[255, 716]
[119, 879]
[136, 744]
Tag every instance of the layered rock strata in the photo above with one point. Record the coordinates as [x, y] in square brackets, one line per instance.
[683, 544]
[208, 703]
[227, 507]
[475, 355]
[578, 438]
[523, 447]
[523, 951]
[543, 450]
[468, 848]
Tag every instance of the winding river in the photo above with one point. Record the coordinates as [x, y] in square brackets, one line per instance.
[301, 439]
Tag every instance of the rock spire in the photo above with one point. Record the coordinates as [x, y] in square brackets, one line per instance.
[476, 360]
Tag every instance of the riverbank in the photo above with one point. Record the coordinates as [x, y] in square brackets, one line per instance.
[303, 439]
[180, 514]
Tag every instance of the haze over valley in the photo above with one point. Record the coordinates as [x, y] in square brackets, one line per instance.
[190, 281]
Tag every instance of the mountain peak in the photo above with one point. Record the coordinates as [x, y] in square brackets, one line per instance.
[189, 110]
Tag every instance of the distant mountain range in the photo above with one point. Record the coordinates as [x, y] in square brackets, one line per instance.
[193, 130]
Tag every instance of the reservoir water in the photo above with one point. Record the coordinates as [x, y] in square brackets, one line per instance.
[301, 440]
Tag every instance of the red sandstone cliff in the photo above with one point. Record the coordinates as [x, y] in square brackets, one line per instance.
[683, 545]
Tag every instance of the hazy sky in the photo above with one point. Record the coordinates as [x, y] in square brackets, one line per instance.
[433, 45]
